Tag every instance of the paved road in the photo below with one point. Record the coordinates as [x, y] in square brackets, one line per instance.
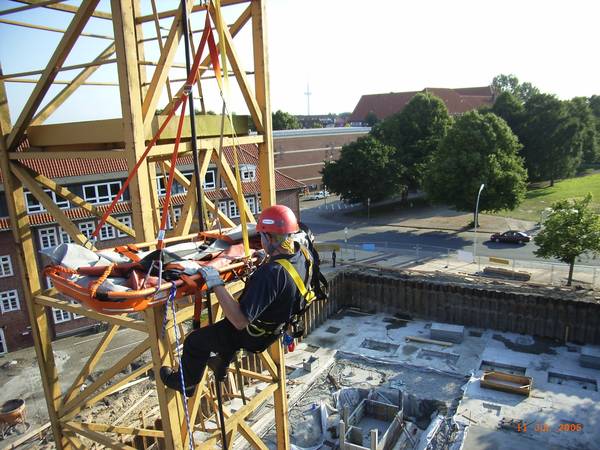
[330, 226]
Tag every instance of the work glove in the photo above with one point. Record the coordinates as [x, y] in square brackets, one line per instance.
[211, 276]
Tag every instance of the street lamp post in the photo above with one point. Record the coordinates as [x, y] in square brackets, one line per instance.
[477, 221]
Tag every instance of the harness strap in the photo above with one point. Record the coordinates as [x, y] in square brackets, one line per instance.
[128, 251]
[309, 296]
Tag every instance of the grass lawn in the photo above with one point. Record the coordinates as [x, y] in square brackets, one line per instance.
[539, 198]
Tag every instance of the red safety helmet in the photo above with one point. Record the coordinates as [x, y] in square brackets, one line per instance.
[277, 219]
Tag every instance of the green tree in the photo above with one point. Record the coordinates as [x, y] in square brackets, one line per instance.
[551, 139]
[571, 230]
[285, 121]
[371, 119]
[579, 109]
[511, 109]
[365, 169]
[416, 133]
[510, 83]
[479, 148]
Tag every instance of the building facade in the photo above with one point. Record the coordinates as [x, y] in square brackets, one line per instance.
[301, 154]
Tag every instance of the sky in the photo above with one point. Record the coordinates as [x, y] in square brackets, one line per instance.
[342, 49]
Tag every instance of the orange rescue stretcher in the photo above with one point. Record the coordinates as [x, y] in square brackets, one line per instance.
[124, 279]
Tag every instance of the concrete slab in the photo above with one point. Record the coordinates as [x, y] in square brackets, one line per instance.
[447, 332]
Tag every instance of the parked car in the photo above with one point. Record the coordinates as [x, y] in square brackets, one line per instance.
[317, 195]
[512, 236]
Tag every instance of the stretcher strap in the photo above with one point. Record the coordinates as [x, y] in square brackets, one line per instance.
[96, 284]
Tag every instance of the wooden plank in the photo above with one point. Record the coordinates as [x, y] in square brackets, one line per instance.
[162, 151]
[279, 396]
[130, 431]
[261, 89]
[28, 7]
[159, 77]
[66, 8]
[121, 364]
[110, 131]
[132, 123]
[56, 61]
[256, 376]
[267, 360]
[25, 437]
[29, 275]
[172, 12]
[76, 308]
[65, 93]
[240, 75]
[49, 205]
[96, 437]
[171, 407]
[428, 341]
[251, 436]
[51, 29]
[90, 364]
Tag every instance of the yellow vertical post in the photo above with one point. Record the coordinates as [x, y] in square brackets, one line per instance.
[131, 108]
[29, 275]
[261, 81]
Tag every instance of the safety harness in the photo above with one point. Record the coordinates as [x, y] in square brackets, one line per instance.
[264, 328]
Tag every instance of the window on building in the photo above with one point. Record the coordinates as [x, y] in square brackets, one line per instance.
[177, 214]
[76, 316]
[248, 172]
[34, 205]
[87, 228]
[64, 236]
[9, 301]
[6, 269]
[60, 315]
[223, 206]
[47, 237]
[3, 346]
[233, 209]
[210, 180]
[251, 204]
[258, 204]
[101, 192]
[161, 185]
[125, 220]
[107, 232]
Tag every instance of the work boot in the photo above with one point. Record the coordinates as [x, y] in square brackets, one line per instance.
[219, 367]
[172, 380]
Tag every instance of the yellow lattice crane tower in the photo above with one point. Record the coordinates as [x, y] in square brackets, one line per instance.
[141, 85]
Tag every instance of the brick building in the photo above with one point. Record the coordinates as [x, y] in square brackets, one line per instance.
[97, 181]
[301, 154]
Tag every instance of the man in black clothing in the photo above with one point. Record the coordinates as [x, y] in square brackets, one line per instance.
[268, 302]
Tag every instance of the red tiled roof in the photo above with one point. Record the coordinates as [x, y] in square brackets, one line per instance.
[247, 154]
[458, 101]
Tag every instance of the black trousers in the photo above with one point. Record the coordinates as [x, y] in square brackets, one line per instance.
[222, 338]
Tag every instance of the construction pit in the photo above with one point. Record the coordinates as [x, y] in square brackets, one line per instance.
[397, 361]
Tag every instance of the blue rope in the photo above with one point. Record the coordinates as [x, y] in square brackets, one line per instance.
[171, 301]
